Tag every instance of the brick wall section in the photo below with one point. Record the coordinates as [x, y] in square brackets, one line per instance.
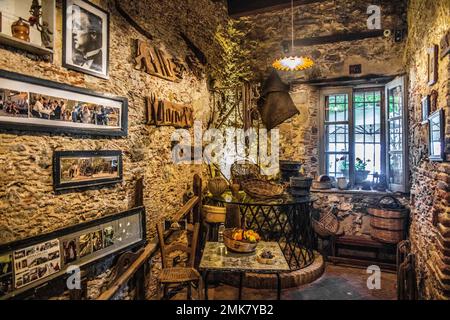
[430, 196]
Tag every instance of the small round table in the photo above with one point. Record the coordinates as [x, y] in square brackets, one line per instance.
[286, 220]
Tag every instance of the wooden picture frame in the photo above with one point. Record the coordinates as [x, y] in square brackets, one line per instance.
[425, 109]
[433, 61]
[81, 111]
[119, 233]
[83, 19]
[445, 45]
[86, 169]
[436, 133]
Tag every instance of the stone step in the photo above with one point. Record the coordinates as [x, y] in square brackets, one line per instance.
[443, 280]
[444, 267]
[444, 231]
[443, 245]
[444, 219]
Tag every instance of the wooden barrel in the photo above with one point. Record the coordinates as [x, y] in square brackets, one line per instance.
[388, 221]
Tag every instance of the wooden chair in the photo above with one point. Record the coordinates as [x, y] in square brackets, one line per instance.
[171, 275]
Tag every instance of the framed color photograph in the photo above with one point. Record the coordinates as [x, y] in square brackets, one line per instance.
[86, 38]
[32, 104]
[437, 136]
[85, 169]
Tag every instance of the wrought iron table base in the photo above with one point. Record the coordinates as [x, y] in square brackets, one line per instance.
[241, 281]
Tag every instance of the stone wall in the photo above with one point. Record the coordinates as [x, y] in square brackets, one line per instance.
[377, 55]
[28, 205]
[430, 198]
[299, 136]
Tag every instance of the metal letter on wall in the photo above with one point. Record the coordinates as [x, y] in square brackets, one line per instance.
[157, 63]
[165, 113]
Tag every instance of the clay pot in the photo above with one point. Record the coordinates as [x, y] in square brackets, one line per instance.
[217, 186]
[21, 30]
[342, 183]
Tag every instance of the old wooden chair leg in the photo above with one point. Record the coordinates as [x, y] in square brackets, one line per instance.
[189, 291]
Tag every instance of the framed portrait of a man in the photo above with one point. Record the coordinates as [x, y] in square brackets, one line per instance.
[86, 38]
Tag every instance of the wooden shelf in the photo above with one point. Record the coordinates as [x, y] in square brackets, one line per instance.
[23, 45]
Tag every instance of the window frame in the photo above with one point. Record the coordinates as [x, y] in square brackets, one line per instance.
[350, 91]
[404, 186]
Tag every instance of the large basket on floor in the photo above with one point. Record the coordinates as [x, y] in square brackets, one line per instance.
[388, 220]
[327, 225]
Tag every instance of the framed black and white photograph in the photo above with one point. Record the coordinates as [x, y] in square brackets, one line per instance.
[32, 104]
[437, 136]
[425, 109]
[86, 38]
[433, 64]
[86, 169]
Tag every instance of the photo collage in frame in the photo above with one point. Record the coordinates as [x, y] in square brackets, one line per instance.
[28, 266]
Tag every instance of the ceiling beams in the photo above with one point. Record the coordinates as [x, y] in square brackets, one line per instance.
[339, 37]
[240, 8]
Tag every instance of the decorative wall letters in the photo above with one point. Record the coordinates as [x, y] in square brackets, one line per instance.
[165, 113]
[157, 63]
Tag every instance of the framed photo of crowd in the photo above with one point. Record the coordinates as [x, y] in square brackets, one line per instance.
[86, 169]
[86, 38]
[32, 104]
[28, 263]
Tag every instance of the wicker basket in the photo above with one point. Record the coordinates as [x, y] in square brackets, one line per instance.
[388, 220]
[260, 189]
[214, 214]
[244, 170]
[387, 236]
[236, 245]
[327, 225]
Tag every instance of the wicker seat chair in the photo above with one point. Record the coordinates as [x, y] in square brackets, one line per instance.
[170, 275]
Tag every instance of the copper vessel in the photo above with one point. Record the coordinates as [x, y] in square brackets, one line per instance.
[21, 30]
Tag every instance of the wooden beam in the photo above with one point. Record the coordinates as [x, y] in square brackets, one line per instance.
[346, 80]
[334, 38]
[240, 8]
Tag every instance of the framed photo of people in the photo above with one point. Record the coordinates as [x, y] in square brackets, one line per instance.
[86, 38]
[85, 169]
[28, 263]
[33, 104]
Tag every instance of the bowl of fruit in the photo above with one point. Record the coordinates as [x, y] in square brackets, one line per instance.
[239, 240]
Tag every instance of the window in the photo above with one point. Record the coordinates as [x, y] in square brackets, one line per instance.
[356, 126]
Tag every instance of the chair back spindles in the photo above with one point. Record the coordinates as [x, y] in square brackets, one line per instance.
[188, 249]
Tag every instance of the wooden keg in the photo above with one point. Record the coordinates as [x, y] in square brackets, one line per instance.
[388, 220]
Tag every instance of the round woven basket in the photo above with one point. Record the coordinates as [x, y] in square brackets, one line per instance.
[236, 245]
[261, 189]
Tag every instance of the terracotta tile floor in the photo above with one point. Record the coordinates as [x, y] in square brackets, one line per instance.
[337, 283]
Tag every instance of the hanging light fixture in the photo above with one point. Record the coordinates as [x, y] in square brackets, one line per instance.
[293, 63]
